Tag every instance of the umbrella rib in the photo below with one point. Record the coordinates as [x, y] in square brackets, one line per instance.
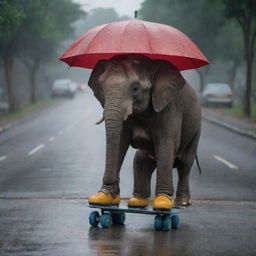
[124, 32]
[88, 46]
[96, 34]
[146, 29]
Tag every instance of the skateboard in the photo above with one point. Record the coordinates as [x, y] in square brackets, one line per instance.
[164, 220]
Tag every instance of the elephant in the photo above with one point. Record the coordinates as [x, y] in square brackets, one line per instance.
[149, 105]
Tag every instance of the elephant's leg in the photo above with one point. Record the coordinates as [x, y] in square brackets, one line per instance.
[143, 167]
[113, 188]
[183, 190]
[184, 167]
[164, 183]
[164, 179]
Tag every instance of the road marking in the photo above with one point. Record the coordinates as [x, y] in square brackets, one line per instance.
[33, 151]
[61, 132]
[51, 139]
[224, 161]
[2, 158]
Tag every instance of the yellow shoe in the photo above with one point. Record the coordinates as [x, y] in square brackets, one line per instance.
[138, 202]
[101, 198]
[163, 202]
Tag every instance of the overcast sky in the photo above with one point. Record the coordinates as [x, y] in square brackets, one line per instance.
[123, 7]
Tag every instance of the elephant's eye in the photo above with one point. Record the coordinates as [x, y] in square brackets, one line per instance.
[135, 88]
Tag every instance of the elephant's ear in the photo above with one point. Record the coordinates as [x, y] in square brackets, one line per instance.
[94, 81]
[166, 85]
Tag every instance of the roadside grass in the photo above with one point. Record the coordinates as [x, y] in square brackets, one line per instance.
[237, 110]
[27, 109]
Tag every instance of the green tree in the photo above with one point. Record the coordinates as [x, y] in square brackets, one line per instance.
[244, 12]
[46, 25]
[11, 18]
[230, 47]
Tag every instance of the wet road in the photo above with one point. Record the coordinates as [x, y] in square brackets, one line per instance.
[51, 162]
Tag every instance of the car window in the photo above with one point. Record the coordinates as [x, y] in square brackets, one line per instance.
[61, 85]
[218, 88]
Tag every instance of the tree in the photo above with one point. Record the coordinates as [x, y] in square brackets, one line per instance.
[11, 17]
[46, 25]
[230, 46]
[244, 12]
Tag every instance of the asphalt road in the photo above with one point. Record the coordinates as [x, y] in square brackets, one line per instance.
[50, 163]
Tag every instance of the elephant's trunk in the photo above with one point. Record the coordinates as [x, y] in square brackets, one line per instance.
[113, 124]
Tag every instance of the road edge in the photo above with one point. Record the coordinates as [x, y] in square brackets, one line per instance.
[31, 115]
[231, 127]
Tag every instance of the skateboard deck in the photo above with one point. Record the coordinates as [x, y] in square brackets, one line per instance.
[164, 219]
[147, 210]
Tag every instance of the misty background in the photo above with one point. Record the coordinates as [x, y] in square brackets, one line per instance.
[35, 33]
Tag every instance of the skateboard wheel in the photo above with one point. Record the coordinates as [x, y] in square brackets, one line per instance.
[158, 222]
[94, 218]
[175, 221]
[118, 218]
[167, 225]
[106, 220]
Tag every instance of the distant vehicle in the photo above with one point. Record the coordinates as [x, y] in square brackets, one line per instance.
[217, 94]
[64, 87]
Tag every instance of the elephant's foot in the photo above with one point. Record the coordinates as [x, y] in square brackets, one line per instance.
[104, 199]
[163, 202]
[138, 202]
[182, 202]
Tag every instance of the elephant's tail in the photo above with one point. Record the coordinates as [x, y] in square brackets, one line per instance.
[198, 165]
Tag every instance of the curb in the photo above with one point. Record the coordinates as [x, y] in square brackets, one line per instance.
[16, 122]
[233, 128]
[7, 127]
[31, 115]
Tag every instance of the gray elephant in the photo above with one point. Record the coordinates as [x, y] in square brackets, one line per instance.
[148, 105]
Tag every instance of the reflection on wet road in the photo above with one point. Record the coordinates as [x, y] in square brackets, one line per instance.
[52, 162]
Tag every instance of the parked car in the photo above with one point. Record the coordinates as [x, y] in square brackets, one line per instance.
[64, 87]
[217, 94]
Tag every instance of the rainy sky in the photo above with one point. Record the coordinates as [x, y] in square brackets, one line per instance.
[123, 7]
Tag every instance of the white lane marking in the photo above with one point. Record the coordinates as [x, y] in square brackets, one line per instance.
[60, 132]
[2, 158]
[51, 138]
[224, 161]
[33, 151]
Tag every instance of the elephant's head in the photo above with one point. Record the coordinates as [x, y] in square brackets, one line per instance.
[128, 85]
[132, 82]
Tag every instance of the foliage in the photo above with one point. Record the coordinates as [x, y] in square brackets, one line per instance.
[33, 30]
[47, 23]
[244, 12]
[11, 17]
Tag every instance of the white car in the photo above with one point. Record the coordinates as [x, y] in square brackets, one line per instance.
[217, 94]
[64, 87]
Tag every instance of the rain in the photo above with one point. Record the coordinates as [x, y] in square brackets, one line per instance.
[55, 153]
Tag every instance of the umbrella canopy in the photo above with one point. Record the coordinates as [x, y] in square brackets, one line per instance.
[154, 40]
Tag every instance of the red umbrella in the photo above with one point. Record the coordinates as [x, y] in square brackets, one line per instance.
[154, 40]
